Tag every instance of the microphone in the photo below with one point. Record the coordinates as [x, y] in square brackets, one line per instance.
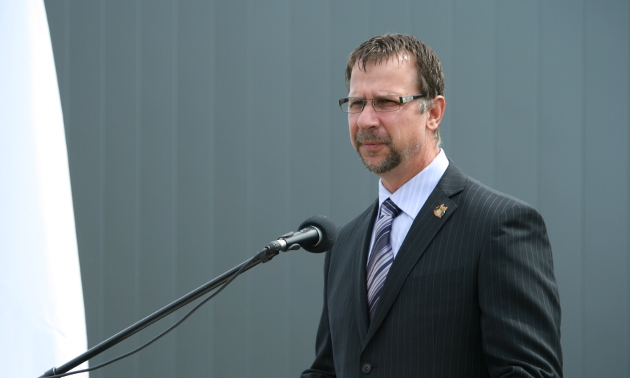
[317, 234]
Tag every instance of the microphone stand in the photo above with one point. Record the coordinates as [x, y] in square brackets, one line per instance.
[262, 257]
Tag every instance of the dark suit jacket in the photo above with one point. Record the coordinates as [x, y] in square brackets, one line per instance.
[470, 294]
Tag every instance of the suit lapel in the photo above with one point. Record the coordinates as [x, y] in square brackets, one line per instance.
[425, 227]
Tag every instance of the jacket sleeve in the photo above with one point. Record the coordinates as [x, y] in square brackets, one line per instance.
[324, 364]
[518, 297]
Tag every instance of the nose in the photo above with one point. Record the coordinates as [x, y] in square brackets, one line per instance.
[368, 117]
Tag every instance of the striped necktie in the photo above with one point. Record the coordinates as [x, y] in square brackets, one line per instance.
[382, 256]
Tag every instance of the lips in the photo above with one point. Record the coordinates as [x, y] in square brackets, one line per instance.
[371, 146]
[370, 142]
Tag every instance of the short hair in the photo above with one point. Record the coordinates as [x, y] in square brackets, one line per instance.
[430, 75]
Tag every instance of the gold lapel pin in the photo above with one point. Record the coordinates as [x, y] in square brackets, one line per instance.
[440, 210]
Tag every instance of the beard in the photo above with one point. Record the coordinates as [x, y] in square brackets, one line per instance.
[394, 157]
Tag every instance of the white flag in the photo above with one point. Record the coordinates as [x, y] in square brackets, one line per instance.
[42, 317]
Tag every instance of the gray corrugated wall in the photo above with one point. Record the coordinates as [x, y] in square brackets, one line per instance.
[200, 130]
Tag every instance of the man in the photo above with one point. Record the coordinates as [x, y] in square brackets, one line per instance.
[442, 276]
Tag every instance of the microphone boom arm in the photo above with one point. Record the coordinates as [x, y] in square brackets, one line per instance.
[317, 234]
[262, 256]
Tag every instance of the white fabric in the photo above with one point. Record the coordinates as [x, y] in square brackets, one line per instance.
[410, 198]
[42, 320]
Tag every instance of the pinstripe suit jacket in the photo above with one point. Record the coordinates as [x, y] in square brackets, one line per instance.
[470, 294]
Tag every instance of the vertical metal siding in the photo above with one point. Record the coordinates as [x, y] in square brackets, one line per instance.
[200, 130]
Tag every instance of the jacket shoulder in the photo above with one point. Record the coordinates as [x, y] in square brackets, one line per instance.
[468, 191]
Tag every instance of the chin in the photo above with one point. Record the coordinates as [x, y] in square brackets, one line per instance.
[382, 166]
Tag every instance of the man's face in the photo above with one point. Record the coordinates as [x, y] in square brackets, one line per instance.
[389, 143]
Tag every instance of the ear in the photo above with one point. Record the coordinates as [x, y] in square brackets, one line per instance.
[436, 112]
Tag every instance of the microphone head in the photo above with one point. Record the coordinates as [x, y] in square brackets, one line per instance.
[326, 227]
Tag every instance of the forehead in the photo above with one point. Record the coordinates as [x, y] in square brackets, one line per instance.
[396, 58]
[395, 74]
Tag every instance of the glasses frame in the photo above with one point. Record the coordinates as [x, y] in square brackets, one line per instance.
[402, 100]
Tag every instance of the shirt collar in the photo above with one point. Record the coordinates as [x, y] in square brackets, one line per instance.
[414, 193]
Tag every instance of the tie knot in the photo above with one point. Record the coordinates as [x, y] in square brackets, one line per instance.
[389, 208]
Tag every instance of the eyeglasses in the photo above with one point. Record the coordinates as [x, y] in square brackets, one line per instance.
[355, 105]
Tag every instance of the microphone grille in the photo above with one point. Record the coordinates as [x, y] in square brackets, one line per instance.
[328, 229]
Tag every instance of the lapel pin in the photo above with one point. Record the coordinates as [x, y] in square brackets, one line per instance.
[440, 210]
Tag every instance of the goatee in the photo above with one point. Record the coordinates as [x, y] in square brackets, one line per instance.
[391, 161]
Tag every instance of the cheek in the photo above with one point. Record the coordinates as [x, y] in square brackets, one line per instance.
[352, 128]
[410, 130]
[353, 133]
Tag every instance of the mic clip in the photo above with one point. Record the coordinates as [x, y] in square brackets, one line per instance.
[286, 247]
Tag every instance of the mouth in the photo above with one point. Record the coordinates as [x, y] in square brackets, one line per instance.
[371, 146]
[370, 143]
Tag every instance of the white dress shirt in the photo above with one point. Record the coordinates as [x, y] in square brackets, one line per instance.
[410, 198]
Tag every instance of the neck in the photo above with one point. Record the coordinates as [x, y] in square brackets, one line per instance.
[395, 178]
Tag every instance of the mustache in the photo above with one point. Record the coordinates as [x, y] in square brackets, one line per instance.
[371, 136]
